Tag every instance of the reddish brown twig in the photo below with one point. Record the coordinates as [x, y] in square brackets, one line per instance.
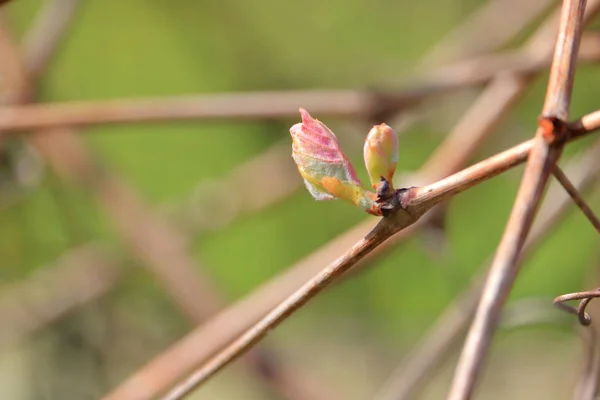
[542, 159]
[576, 197]
[437, 345]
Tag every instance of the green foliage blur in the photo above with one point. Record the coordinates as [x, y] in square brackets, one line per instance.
[151, 48]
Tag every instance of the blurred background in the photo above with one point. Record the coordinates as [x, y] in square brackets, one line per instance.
[87, 244]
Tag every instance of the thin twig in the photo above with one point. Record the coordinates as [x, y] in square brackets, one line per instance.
[287, 307]
[576, 197]
[539, 166]
[436, 346]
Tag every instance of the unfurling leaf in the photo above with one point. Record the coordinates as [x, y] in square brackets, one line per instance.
[381, 154]
[327, 172]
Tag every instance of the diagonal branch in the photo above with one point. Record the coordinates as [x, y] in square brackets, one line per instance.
[546, 151]
[576, 197]
[46, 34]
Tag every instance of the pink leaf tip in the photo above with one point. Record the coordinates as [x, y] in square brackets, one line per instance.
[326, 170]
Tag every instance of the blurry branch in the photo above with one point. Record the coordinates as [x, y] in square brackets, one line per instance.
[482, 69]
[576, 197]
[162, 250]
[442, 338]
[76, 278]
[283, 104]
[259, 183]
[486, 29]
[549, 142]
[14, 79]
[46, 33]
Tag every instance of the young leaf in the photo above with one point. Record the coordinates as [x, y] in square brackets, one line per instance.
[381, 154]
[327, 172]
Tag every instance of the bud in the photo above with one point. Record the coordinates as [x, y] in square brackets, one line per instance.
[327, 172]
[381, 154]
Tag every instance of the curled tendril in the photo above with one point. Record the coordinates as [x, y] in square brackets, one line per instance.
[585, 297]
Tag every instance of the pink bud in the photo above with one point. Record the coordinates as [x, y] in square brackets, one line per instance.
[381, 153]
[326, 170]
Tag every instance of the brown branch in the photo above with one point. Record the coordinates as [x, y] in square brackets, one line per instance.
[486, 29]
[281, 104]
[576, 197]
[436, 346]
[543, 157]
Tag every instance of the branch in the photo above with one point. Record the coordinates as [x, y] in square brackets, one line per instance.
[576, 197]
[547, 149]
[486, 29]
[416, 368]
[268, 105]
[277, 104]
[46, 34]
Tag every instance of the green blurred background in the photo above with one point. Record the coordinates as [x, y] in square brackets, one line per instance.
[349, 338]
